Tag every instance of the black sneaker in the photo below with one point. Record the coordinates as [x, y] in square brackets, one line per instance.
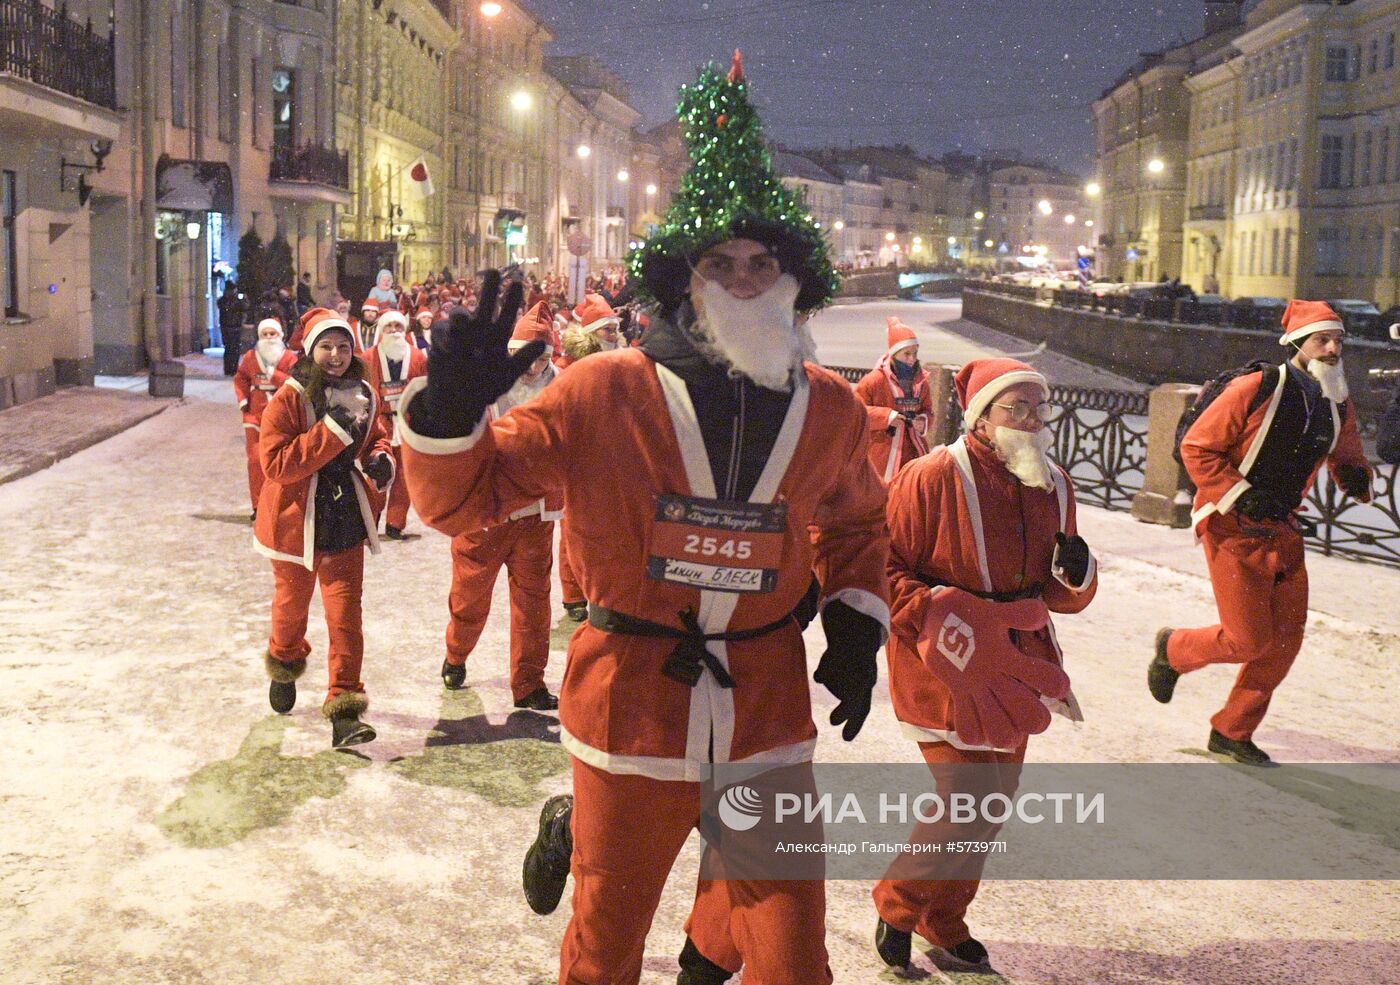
[1161, 677]
[347, 730]
[393, 533]
[537, 700]
[895, 947]
[696, 969]
[1240, 750]
[577, 611]
[546, 866]
[282, 695]
[969, 952]
[453, 676]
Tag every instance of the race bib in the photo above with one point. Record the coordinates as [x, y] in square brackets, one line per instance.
[717, 545]
[391, 391]
[908, 405]
[264, 383]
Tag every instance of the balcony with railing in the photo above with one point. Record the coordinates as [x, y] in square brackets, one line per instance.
[42, 46]
[310, 172]
[1203, 213]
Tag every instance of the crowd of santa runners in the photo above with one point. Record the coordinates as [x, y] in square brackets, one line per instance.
[761, 491]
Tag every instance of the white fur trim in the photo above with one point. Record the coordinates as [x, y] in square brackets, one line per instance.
[323, 326]
[679, 770]
[993, 389]
[902, 344]
[434, 446]
[921, 734]
[1306, 330]
[593, 326]
[1058, 573]
[958, 449]
[336, 429]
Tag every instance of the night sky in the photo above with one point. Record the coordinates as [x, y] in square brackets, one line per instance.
[937, 75]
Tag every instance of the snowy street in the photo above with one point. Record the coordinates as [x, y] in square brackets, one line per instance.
[159, 824]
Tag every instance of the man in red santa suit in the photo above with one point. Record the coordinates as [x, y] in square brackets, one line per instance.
[691, 656]
[524, 544]
[260, 372]
[393, 361]
[899, 401]
[983, 545]
[1253, 454]
[592, 329]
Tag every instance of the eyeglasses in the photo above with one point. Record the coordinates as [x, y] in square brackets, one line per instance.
[1022, 410]
[762, 269]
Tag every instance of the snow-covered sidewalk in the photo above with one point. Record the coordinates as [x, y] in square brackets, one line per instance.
[159, 824]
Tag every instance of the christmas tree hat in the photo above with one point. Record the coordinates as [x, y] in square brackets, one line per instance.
[730, 192]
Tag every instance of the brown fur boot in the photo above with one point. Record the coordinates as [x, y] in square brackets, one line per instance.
[344, 711]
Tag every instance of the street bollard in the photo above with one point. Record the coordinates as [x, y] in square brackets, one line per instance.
[1165, 497]
[947, 423]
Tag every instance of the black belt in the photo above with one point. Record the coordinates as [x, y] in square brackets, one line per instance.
[1029, 592]
[691, 655]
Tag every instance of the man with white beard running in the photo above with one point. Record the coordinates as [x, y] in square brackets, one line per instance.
[984, 544]
[393, 360]
[260, 372]
[1253, 454]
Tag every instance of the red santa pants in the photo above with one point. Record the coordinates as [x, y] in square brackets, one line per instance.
[342, 578]
[628, 831]
[396, 512]
[526, 548]
[567, 581]
[935, 909]
[255, 472]
[1261, 592]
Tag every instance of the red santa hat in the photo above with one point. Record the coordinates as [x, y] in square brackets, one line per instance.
[370, 305]
[270, 323]
[1303, 318]
[319, 321]
[593, 313]
[535, 325]
[982, 380]
[898, 335]
[425, 310]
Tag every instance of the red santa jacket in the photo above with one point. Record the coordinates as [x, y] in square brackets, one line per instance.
[1222, 446]
[958, 517]
[294, 446]
[254, 383]
[413, 365]
[884, 399]
[616, 432]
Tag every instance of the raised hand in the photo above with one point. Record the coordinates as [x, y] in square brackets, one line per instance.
[469, 366]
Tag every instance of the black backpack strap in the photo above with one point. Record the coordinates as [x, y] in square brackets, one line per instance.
[1266, 385]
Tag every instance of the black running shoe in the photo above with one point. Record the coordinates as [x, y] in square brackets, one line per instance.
[1161, 677]
[696, 969]
[969, 952]
[547, 862]
[577, 611]
[1240, 750]
[282, 695]
[453, 677]
[537, 700]
[895, 947]
[347, 730]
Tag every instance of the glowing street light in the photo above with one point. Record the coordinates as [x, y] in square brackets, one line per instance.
[1089, 223]
[1156, 165]
[919, 241]
[623, 175]
[1092, 189]
[838, 225]
[651, 189]
[979, 215]
[1045, 207]
[889, 237]
[584, 151]
[1069, 220]
[988, 244]
[521, 100]
[952, 241]
[491, 9]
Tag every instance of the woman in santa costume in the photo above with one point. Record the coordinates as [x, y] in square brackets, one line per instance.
[707, 474]
[261, 371]
[327, 461]
[524, 544]
[392, 362]
[983, 546]
[1253, 454]
[900, 402]
[592, 329]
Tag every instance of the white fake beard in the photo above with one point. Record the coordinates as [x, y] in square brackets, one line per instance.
[270, 350]
[755, 337]
[1024, 453]
[1333, 380]
[605, 345]
[524, 390]
[394, 345]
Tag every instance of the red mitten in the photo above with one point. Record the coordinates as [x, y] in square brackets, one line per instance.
[996, 688]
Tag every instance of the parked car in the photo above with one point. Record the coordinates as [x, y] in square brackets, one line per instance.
[1361, 318]
[1258, 312]
[1204, 309]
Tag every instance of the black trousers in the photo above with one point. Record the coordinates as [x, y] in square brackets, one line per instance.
[233, 350]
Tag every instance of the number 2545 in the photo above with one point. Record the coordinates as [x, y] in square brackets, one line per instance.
[714, 547]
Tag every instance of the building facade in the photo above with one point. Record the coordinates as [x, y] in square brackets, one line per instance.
[1037, 211]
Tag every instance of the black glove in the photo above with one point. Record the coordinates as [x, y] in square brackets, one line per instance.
[1262, 506]
[1354, 480]
[1072, 554]
[806, 610]
[468, 365]
[624, 326]
[342, 416]
[380, 469]
[908, 416]
[848, 667]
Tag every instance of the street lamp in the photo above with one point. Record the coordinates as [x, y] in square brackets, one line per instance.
[521, 100]
[919, 240]
[988, 244]
[979, 215]
[838, 225]
[889, 237]
[623, 175]
[584, 151]
[1069, 220]
[1092, 189]
[1045, 207]
[1156, 165]
[1089, 223]
[490, 8]
[651, 189]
